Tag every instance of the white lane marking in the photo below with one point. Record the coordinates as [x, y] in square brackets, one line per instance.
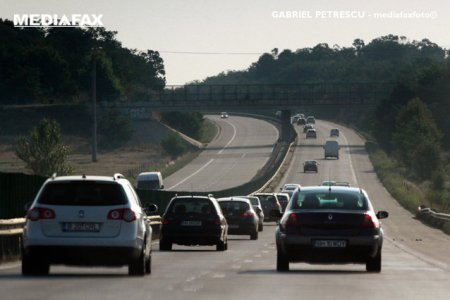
[232, 138]
[350, 159]
[193, 174]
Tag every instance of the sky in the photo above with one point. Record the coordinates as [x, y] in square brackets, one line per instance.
[230, 35]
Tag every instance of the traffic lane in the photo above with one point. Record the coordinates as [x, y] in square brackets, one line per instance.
[177, 274]
[234, 160]
[408, 233]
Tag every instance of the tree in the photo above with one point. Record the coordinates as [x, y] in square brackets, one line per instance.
[42, 150]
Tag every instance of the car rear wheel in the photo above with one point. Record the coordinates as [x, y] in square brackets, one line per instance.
[148, 264]
[165, 245]
[222, 246]
[254, 235]
[261, 227]
[374, 264]
[34, 267]
[282, 263]
[138, 266]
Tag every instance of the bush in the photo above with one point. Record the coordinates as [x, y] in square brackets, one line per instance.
[173, 145]
[189, 123]
[42, 150]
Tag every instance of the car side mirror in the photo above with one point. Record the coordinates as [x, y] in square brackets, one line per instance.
[162, 187]
[150, 208]
[382, 214]
[258, 210]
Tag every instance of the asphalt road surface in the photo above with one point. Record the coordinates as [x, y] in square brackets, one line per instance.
[242, 147]
[415, 258]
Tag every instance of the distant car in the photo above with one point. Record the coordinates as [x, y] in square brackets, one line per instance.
[87, 221]
[342, 183]
[224, 115]
[241, 217]
[328, 183]
[283, 198]
[310, 120]
[311, 134]
[150, 181]
[310, 166]
[193, 220]
[307, 127]
[301, 121]
[258, 208]
[269, 202]
[290, 186]
[331, 149]
[334, 132]
[330, 225]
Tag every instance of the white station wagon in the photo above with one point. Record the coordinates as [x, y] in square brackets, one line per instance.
[86, 221]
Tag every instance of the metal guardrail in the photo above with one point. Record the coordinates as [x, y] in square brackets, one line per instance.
[429, 212]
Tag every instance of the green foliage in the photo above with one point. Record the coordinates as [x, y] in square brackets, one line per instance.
[114, 128]
[54, 65]
[173, 145]
[42, 150]
[189, 123]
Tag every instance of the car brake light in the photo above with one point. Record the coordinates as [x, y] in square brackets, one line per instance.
[40, 213]
[124, 214]
[248, 214]
[217, 221]
[369, 222]
[291, 220]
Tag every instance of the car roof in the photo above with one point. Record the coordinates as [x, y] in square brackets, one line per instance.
[193, 197]
[235, 199]
[323, 188]
[115, 178]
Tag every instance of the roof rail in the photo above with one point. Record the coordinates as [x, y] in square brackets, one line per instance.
[54, 176]
[117, 176]
[210, 196]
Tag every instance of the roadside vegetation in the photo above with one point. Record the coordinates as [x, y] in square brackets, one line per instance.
[410, 129]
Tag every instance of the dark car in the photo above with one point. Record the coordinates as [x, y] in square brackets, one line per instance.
[311, 134]
[301, 121]
[241, 217]
[307, 127]
[334, 132]
[269, 202]
[258, 209]
[310, 166]
[327, 224]
[193, 220]
[310, 120]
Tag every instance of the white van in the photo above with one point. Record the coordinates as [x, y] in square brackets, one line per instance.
[331, 149]
[150, 181]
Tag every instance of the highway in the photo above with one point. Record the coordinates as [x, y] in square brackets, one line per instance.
[243, 146]
[416, 260]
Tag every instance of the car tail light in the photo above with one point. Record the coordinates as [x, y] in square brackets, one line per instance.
[165, 221]
[291, 220]
[217, 221]
[370, 222]
[40, 213]
[124, 214]
[248, 214]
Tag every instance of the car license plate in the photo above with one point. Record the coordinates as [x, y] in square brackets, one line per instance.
[80, 227]
[233, 226]
[191, 223]
[330, 243]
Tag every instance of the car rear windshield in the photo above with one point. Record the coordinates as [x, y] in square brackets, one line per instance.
[283, 198]
[192, 205]
[267, 198]
[83, 193]
[234, 206]
[330, 200]
[254, 200]
[148, 184]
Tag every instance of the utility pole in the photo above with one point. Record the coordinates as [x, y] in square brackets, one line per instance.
[94, 105]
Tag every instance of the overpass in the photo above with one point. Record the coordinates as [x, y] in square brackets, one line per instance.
[283, 97]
